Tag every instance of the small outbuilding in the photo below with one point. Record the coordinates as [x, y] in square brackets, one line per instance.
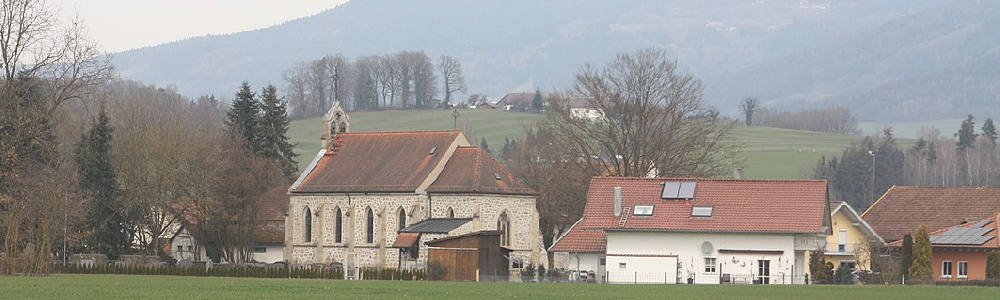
[476, 256]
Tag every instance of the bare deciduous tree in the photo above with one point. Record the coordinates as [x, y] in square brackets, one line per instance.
[748, 106]
[451, 75]
[653, 121]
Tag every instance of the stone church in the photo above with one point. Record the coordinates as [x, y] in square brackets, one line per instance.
[374, 199]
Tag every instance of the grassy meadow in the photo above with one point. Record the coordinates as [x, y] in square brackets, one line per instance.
[79, 286]
[769, 152]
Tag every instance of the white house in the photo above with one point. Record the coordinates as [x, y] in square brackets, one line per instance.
[677, 230]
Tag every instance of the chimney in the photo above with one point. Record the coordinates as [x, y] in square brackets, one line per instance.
[738, 173]
[618, 201]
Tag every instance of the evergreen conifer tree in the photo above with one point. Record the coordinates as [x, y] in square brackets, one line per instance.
[243, 118]
[990, 130]
[536, 103]
[906, 255]
[920, 269]
[273, 132]
[105, 213]
[485, 146]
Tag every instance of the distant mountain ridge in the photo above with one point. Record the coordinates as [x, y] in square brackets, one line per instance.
[791, 54]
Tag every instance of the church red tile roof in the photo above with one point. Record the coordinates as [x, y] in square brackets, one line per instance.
[472, 169]
[738, 205]
[400, 162]
[904, 208]
[378, 161]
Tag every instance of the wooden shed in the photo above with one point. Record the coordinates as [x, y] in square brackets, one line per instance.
[475, 256]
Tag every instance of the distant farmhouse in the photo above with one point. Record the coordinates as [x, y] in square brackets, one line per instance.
[706, 231]
[380, 199]
[964, 224]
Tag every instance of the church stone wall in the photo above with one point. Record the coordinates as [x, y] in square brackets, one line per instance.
[323, 248]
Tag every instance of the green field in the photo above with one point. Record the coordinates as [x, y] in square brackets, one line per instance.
[64, 286]
[769, 152]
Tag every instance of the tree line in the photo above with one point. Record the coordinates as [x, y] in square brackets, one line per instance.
[90, 163]
[832, 119]
[869, 167]
[406, 79]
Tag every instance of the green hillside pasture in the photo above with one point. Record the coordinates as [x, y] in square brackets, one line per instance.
[78, 286]
[769, 153]
[493, 124]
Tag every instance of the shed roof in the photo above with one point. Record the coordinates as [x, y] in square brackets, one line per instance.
[436, 225]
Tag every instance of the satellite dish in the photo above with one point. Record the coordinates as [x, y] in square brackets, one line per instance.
[706, 247]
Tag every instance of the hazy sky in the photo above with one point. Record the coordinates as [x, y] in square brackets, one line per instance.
[119, 25]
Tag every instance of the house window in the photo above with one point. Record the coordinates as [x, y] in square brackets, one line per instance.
[338, 226]
[842, 240]
[946, 269]
[764, 271]
[710, 265]
[402, 218]
[701, 211]
[259, 249]
[190, 248]
[180, 248]
[503, 224]
[370, 227]
[621, 266]
[602, 261]
[642, 210]
[963, 269]
[308, 225]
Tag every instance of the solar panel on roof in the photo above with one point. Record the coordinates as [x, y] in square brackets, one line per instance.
[981, 223]
[937, 239]
[978, 231]
[670, 190]
[687, 190]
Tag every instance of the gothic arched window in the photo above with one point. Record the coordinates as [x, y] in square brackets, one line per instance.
[402, 218]
[370, 227]
[308, 224]
[451, 213]
[338, 226]
[503, 224]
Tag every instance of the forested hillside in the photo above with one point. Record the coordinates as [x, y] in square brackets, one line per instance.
[911, 54]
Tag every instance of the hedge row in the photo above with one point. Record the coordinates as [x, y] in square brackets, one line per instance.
[247, 271]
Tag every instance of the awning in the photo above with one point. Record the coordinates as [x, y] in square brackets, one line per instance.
[406, 240]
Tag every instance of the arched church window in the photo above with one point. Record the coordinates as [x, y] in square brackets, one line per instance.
[308, 224]
[338, 226]
[451, 213]
[370, 227]
[503, 224]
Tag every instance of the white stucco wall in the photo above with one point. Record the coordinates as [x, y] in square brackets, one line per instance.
[650, 252]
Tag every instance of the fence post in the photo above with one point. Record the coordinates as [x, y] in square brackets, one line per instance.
[635, 277]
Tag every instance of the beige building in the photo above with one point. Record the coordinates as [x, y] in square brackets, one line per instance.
[373, 199]
[852, 241]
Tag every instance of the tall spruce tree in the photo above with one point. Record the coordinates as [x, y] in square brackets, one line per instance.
[536, 102]
[920, 269]
[273, 132]
[106, 214]
[243, 118]
[966, 134]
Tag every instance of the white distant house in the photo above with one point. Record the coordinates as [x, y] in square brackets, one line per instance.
[684, 230]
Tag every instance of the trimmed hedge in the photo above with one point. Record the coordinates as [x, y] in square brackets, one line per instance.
[246, 271]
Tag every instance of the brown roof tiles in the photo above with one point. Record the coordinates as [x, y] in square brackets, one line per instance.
[472, 169]
[904, 208]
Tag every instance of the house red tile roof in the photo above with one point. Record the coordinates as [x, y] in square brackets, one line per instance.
[991, 228]
[904, 208]
[578, 240]
[273, 204]
[378, 161]
[471, 169]
[738, 205]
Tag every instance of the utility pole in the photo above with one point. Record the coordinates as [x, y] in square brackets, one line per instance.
[872, 192]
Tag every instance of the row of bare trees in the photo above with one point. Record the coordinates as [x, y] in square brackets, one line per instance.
[833, 119]
[46, 68]
[406, 79]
